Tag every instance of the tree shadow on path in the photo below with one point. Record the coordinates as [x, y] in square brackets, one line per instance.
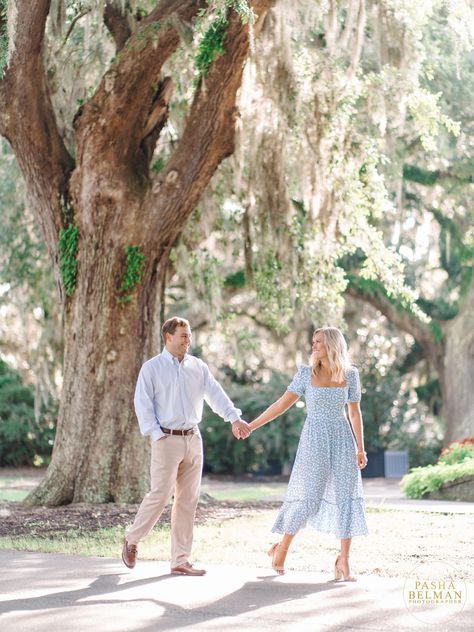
[249, 597]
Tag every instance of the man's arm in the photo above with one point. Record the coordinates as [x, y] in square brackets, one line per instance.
[221, 404]
[144, 408]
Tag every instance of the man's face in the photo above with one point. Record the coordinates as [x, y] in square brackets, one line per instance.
[178, 343]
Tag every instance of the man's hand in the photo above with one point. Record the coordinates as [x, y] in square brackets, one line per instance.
[240, 429]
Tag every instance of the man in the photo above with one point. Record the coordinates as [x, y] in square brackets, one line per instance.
[169, 399]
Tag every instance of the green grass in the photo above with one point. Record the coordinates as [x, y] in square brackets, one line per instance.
[13, 494]
[246, 494]
[8, 480]
[22, 485]
[392, 548]
[16, 487]
[101, 543]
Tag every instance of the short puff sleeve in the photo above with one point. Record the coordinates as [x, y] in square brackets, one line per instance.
[298, 383]
[353, 382]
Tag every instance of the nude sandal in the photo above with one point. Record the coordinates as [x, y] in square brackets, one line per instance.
[272, 553]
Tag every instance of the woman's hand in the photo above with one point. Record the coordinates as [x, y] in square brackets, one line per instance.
[361, 459]
[240, 429]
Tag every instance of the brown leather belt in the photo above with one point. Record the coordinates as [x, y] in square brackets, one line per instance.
[181, 433]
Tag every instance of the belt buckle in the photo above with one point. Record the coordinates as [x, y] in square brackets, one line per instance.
[180, 433]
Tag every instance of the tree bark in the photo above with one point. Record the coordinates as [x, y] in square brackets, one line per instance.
[452, 357]
[28, 123]
[99, 455]
[457, 379]
[119, 23]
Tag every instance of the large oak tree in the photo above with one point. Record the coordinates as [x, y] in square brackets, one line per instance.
[109, 222]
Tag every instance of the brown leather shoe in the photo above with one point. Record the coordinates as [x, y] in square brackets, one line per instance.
[129, 554]
[187, 569]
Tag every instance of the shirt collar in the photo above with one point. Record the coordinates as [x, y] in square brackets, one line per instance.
[170, 357]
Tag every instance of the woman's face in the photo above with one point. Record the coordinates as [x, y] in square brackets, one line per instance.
[319, 348]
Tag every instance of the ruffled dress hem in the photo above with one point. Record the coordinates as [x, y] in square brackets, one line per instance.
[322, 515]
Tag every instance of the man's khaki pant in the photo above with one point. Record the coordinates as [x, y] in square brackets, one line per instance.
[176, 466]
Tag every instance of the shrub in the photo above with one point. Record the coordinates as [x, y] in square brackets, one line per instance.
[270, 448]
[392, 421]
[457, 452]
[423, 480]
[23, 439]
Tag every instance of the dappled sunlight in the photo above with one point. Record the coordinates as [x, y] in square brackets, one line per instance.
[149, 598]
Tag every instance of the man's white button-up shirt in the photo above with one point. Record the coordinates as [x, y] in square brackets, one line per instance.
[171, 394]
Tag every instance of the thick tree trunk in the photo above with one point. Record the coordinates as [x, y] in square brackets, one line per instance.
[457, 382]
[99, 455]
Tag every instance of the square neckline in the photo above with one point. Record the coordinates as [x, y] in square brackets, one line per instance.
[315, 386]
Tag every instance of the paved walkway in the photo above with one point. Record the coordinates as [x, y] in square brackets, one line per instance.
[386, 492]
[59, 593]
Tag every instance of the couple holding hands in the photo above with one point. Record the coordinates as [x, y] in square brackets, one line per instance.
[325, 487]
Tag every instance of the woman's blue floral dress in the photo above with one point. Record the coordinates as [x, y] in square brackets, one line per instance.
[325, 487]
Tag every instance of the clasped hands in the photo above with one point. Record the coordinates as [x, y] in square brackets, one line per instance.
[241, 429]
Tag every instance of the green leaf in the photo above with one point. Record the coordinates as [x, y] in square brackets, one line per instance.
[68, 244]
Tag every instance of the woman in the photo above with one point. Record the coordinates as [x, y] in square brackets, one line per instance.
[325, 487]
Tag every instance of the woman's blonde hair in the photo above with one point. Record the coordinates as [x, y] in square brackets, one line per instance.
[338, 354]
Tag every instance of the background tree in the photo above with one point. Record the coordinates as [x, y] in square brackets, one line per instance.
[330, 170]
[433, 230]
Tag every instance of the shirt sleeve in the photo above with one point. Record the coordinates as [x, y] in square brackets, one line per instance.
[298, 383]
[144, 406]
[218, 399]
[353, 381]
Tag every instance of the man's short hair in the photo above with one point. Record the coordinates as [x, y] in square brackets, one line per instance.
[172, 324]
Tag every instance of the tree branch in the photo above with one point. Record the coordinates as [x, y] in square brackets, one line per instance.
[397, 315]
[3, 86]
[413, 173]
[160, 106]
[359, 36]
[76, 19]
[349, 23]
[128, 89]
[31, 126]
[120, 24]
[331, 27]
[157, 117]
[208, 136]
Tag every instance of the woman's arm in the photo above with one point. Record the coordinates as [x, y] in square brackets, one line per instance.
[275, 410]
[355, 416]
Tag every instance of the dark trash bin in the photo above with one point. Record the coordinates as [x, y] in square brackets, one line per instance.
[375, 466]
